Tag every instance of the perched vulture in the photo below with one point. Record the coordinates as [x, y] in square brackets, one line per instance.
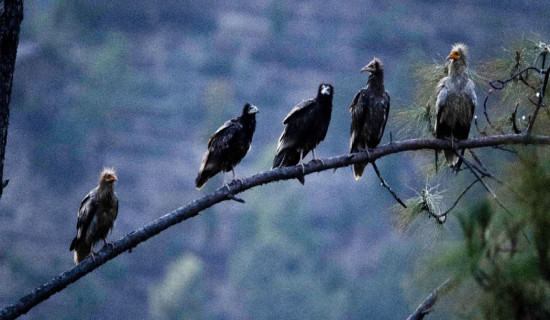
[96, 216]
[306, 126]
[456, 101]
[228, 145]
[369, 113]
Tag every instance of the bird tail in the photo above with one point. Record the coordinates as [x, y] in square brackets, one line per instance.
[81, 250]
[287, 158]
[451, 157]
[358, 169]
[202, 177]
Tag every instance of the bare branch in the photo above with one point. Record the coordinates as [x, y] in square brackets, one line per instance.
[456, 201]
[427, 305]
[540, 94]
[475, 171]
[132, 239]
[385, 184]
[500, 84]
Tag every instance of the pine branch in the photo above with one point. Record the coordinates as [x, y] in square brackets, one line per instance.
[427, 305]
[132, 239]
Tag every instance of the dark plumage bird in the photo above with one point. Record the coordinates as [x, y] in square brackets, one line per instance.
[456, 101]
[228, 145]
[369, 113]
[96, 216]
[306, 126]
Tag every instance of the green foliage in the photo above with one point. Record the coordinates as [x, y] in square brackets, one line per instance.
[181, 294]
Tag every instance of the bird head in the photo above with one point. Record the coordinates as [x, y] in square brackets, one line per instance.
[375, 65]
[458, 52]
[250, 109]
[107, 176]
[325, 89]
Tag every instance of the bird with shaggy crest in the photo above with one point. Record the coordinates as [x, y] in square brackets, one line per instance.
[305, 127]
[456, 102]
[96, 216]
[369, 113]
[228, 145]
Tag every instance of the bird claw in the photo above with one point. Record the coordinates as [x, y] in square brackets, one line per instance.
[108, 244]
[93, 255]
[239, 181]
[318, 160]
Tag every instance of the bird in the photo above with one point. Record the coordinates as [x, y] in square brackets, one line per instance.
[305, 127]
[456, 101]
[369, 113]
[228, 145]
[96, 216]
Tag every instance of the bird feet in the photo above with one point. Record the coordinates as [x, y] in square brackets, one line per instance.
[315, 160]
[239, 181]
[108, 244]
[93, 254]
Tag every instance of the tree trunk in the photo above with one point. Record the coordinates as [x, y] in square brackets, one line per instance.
[11, 15]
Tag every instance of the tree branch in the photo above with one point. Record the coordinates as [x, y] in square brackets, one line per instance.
[132, 239]
[426, 306]
[10, 25]
[387, 186]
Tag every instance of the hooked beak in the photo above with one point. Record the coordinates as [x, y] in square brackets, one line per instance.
[253, 109]
[369, 68]
[112, 178]
[453, 55]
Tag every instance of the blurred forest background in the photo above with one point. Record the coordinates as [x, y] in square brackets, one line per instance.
[141, 85]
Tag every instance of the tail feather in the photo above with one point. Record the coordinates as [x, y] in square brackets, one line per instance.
[358, 169]
[81, 250]
[202, 177]
[451, 157]
[287, 158]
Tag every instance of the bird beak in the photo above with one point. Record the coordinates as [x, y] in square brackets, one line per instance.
[253, 110]
[368, 68]
[454, 55]
[112, 178]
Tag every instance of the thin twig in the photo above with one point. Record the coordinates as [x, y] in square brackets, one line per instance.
[475, 173]
[457, 200]
[482, 169]
[502, 83]
[231, 196]
[540, 103]
[385, 184]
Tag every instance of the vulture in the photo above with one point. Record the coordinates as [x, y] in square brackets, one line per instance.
[305, 127]
[369, 113]
[96, 216]
[228, 145]
[456, 102]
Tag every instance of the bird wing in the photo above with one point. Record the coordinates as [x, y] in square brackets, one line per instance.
[220, 135]
[115, 206]
[386, 101]
[471, 94]
[441, 101]
[354, 102]
[299, 108]
[86, 212]
[219, 141]
[357, 120]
